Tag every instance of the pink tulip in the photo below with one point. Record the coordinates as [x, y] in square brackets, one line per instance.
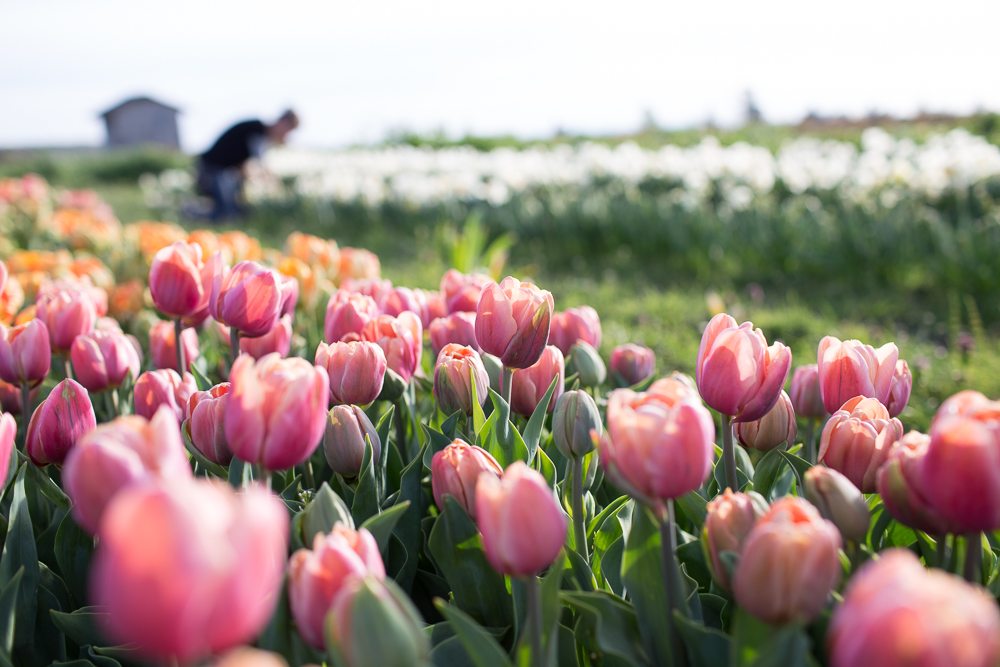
[789, 563]
[896, 612]
[574, 325]
[344, 444]
[900, 485]
[773, 429]
[276, 412]
[8, 432]
[67, 312]
[633, 363]
[838, 500]
[960, 473]
[356, 371]
[205, 423]
[115, 455]
[163, 348]
[277, 340]
[403, 299]
[176, 280]
[436, 307]
[25, 354]
[737, 373]
[899, 391]
[347, 313]
[459, 328]
[529, 385]
[456, 370]
[104, 359]
[730, 518]
[857, 439]
[184, 570]
[461, 291]
[59, 422]
[402, 340]
[457, 469]
[850, 368]
[522, 524]
[805, 394]
[247, 297]
[376, 288]
[288, 288]
[162, 387]
[317, 576]
[3, 275]
[512, 321]
[659, 444]
[250, 657]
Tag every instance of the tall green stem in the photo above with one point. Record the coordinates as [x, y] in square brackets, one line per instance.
[668, 547]
[579, 531]
[506, 382]
[234, 344]
[973, 557]
[728, 453]
[178, 328]
[534, 619]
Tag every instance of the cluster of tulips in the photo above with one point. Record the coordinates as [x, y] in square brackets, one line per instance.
[211, 498]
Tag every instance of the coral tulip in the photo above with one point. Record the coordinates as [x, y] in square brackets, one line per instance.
[163, 387]
[899, 391]
[347, 313]
[850, 368]
[163, 347]
[730, 519]
[773, 429]
[805, 394]
[512, 321]
[67, 312]
[462, 291]
[857, 439]
[402, 340]
[900, 485]
[104, 359]
[838, 500]
[205, 423]
[574, 325]
[529, 385]
[277, 340]
[457, 469]
[459, 327]
[458, 368]
[356, 370]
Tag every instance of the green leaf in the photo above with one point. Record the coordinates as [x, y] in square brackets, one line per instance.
[381, 525]
[8, 610]
[533, 431]
[799, 465]
[240, 472]
[766, 472]
[73, 549]
[499, 437]
[478, 416]
[607, 625]
[707, 646]
[545, 466]
[757, 644]
[200, 378]
[694, 507]
[19, 552]
[408, 531]
[37, 478]
[366, 501]
[80, 626]
[436, 441]
[323, 512]
[481, 647]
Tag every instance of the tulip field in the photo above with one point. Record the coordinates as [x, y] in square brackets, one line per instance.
[250, 447]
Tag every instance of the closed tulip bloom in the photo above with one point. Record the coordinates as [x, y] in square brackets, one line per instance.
[25, 355]
[288, 288]
[838, 500]
[455, 471]
[277, 340]
[632, 363]
[344, 444]
[347, 313]
[115, 455]
[459, 327]
[773, 429]
[961, 470]
[163, 387]
[897, 612]
[176, 280]
[899, 392]
[850, 368]
[462, 290]
[587, 364]
[737, 373]
[512, 321]
[574, 325]
[529, 385]
[67, 312]
[163, 349]
[104, 359]
[247, 297]
[522, 524]
[576, 424]
[402, 340]
[8, 432]
[205, 423]
[857, 438]
[900, 485]
[184, 570]
[659, 445]
[356, 370]
[457, 368]
[58, 422]
[403, 299]
[789, 563]
[805, 394]
[730, 519]
[316, 576]
[276, 412]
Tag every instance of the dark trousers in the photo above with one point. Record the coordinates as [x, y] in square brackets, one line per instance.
[224, 187]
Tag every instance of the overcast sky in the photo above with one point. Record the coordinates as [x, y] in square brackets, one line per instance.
[357, 69]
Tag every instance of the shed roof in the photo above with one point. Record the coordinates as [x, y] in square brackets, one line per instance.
[133, 100]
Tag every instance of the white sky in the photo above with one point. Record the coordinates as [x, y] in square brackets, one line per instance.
[357, 68]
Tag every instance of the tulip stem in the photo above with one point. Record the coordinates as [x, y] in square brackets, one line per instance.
[25, 412]
[579, 531]
[973, 557]
[506, 382]
[534, 619]
[68, 367]
[728, 453]
[115, 402]
[178, 328]
[309, 477]
[668, 546]
[942, 551]
[234, 344]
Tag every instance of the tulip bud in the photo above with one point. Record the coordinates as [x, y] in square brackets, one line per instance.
[897, 612]
[67, 312]
[900, 486]
[773, 429]
[737, 373]
[838, 500]
[455, 471]
[522, 524]
[205, 423]
[857, 439]
[528, 385]
[344, 445]
[175, 280]
[103, 359]
[373, 622]
[575, 325]
[317, 576]
[587, 364]
[899, 391]
[789, 564]
[356, 370]
[402, 340]
[512, 321]
[163, 387]
[631, 364]
[277, 340]
[246, 297]
[850, 368]
[347, 313]
[163, 345]
[457, 328]
[457, 368]
[805, 394]
[58, 422]
[25, 354]
[575, 424]
[730, 518]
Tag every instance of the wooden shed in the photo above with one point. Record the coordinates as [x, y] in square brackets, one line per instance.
[140, 121]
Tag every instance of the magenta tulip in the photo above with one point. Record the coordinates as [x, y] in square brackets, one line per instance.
[163, 387]
[176, 280]
[247, 297]
[163, 348]
[277, 340]
[104, 359]
[59, 422]
[805, 394]
[205, 424]
[67, 311]
[632, 363]
[25, 355]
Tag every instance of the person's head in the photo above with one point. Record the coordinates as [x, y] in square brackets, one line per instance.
[278, 131]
